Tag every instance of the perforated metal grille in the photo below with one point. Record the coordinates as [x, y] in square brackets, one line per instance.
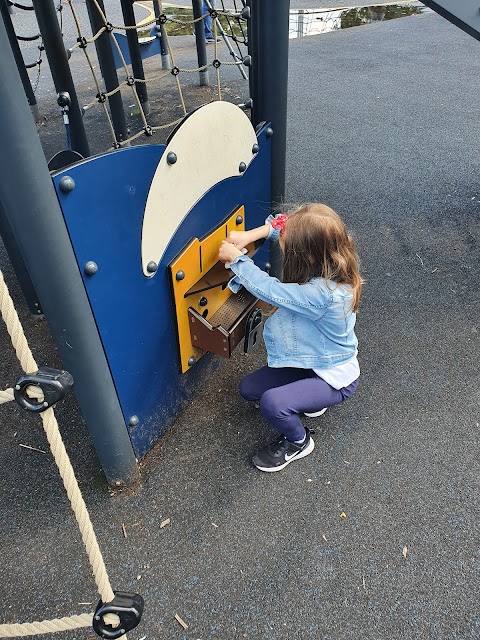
[233, 307]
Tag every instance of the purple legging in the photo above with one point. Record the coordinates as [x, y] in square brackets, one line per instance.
[287, 392]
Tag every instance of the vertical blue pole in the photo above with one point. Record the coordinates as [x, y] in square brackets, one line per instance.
[62, 77]
[197, 6]
[109, 72]
[270, 82]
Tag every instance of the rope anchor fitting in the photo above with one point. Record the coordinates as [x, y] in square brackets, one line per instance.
[55, 385]
[127, 606]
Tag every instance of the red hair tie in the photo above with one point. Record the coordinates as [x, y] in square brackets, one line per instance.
[279, 223]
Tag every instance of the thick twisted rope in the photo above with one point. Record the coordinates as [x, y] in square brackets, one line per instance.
[65, 468]
[46, 626]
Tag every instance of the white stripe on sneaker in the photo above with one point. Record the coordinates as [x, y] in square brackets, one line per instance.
[316, 414]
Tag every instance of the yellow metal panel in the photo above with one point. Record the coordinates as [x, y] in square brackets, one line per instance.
[195, 261]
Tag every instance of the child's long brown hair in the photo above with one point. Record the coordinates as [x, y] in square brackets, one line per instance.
[316, 244]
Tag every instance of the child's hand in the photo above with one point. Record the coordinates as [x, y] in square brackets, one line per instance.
[228, 252]
[239, 238]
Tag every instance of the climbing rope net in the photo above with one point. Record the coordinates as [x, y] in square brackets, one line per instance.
[227, 25]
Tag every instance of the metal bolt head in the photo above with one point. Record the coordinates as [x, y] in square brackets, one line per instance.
[242, 167]
[268, 266]
[255, 148]
[238, 220]
[191, 361]
[152, 267]
[269, 132]
[203, 301]
[90, 268]
[180, 275]
[67, 184]
[171, 157]
[133, 421]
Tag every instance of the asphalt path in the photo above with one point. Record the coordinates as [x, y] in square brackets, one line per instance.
[374, 535]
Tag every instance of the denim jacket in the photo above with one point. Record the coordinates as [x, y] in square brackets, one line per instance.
[313, 327]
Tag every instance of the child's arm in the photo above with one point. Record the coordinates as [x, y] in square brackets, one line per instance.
[309, 299]
[242, 238]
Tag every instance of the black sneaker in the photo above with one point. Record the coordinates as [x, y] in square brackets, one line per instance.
[278, 454]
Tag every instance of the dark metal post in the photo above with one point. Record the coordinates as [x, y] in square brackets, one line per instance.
[197, 6]
[32, 101]
[162, 36]
[270, 82]
[135, 54]
[31, 206]
[107, 67]
[62, 78]
[252, 40]
[464, 15]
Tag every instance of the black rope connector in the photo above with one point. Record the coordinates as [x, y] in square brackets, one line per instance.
[117, 145]
[162, 18]
[55, 384]
[108, 27]
[82, 42]
[127, 606]
[130, 81]
[101, 97]
[175, 71]
[216, 63]
[148, 130]
[213, 13]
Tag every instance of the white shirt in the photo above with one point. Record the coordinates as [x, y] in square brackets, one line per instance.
[342, 374]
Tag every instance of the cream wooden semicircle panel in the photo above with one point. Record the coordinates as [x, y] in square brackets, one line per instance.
[209, 146]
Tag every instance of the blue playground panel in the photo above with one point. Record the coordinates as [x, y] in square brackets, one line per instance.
[134, 314]
[148, 47]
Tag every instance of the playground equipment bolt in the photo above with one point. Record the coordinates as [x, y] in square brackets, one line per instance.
[191, 361]
[171, 157]
[238, 220]
[248, 104]
[152, 267]
[242, 167]
[269, 132]
[67, 184]
[133, 421]
[246, 13]
[180, 275]
[63, 99]
[255, 148]
[90, 268]
[247, 61]
[203, 301]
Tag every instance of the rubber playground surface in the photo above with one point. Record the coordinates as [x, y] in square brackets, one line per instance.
[373, 536]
